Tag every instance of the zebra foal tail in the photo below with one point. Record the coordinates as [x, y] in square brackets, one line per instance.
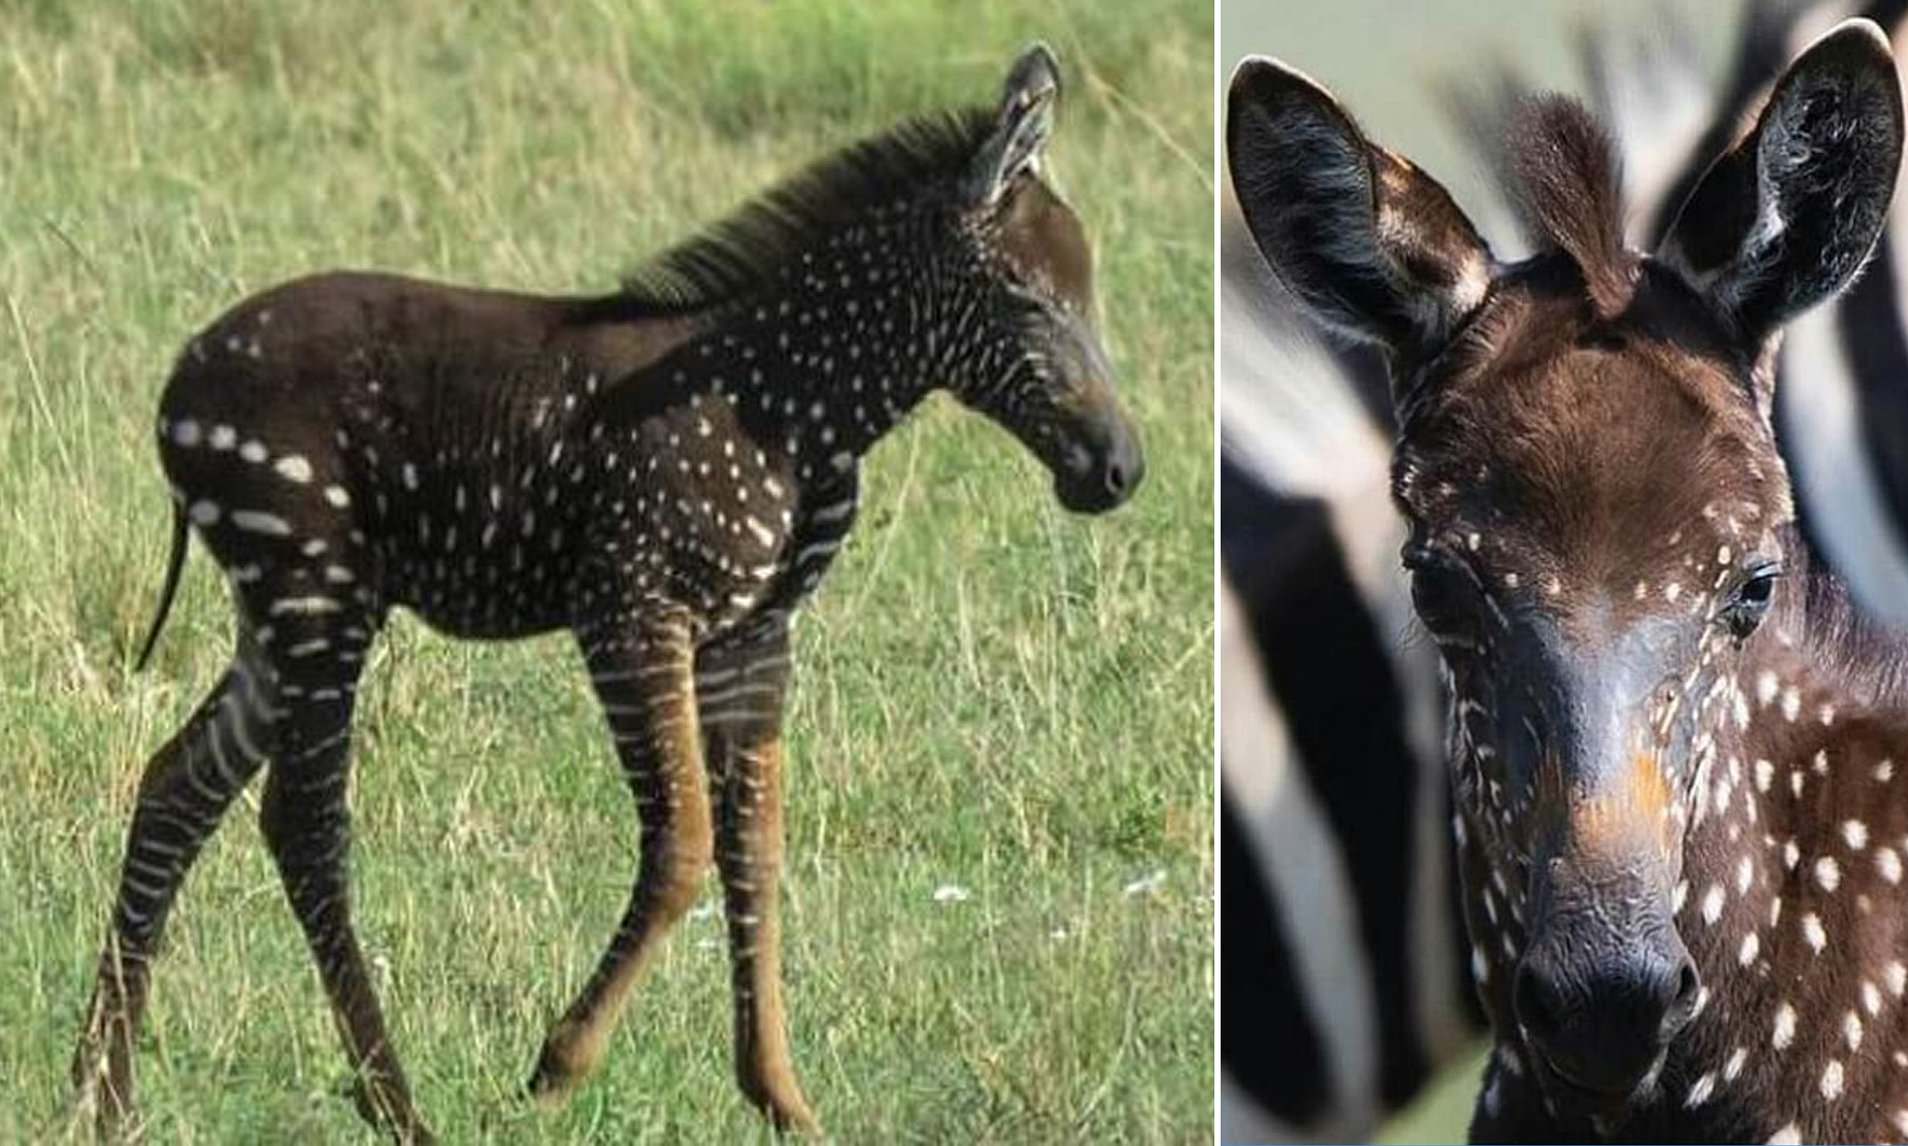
[175, 562]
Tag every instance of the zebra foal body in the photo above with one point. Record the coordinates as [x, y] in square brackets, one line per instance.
[666, 472]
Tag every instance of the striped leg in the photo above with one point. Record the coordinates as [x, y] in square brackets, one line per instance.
[643, 676]
[307, 825]
[740, 692]
[186, 788]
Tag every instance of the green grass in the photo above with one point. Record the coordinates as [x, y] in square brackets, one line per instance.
[1441, 1112]
[991, 693]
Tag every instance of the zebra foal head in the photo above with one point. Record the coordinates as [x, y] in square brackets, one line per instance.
[1598, 516]
[1039, 367]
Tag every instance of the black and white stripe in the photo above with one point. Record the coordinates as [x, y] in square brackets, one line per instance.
[1340, 960]
[1333, 884]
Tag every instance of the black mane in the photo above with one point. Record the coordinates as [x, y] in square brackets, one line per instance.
[729, 257]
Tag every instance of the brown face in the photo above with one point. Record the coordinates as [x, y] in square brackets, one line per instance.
[1594, 510]
[1056, 393]
[1595, 503]
[1044, 244]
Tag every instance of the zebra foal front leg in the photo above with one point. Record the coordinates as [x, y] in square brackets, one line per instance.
[642, 669]
[184, 792]
[741, 688]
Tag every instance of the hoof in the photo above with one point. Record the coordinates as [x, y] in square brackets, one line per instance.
[100, 1110]
[786, 1110]
[406, 1127]
[80, 1121]
[554, 1080]
[570, 1054]
[797, 1119]
[87, 1120]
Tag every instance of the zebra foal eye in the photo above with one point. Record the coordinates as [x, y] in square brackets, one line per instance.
[1748, 604]
[1438, 586]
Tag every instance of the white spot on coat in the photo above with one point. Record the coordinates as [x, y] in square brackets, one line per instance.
[1713, 904]
[1784, 1031]
[1812, 932]
[1700, 1091]
[1832, 1081]
[254, 521]
[293, 467]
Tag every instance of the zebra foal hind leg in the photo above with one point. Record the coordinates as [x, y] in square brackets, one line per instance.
[184, 792]
[740, 691]
[306, 821]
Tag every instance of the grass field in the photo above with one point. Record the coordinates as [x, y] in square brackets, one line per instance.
[992, 694]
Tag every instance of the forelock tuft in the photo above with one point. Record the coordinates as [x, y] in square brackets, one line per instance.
[1566, 179]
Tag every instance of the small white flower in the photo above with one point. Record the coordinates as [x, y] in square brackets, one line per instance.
[951, 893]
[1148, 883]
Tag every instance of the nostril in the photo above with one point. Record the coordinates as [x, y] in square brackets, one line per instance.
[1689, 986]
[1123, 472]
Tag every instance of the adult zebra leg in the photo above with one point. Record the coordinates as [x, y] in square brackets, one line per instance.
[740, 690]
[307, 825]
[642, 670]
[186, 788]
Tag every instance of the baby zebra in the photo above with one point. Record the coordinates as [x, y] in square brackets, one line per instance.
[666, 472]
[1680, 819]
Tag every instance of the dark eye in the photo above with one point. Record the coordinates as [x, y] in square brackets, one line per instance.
[1439, 591]
[1750, 602]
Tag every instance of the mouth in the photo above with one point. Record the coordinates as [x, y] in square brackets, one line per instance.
[1605, 1106]
[1090, 496]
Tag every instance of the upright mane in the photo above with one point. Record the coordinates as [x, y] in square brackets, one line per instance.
[1839, 631]
[729, 257]
[1564, 176]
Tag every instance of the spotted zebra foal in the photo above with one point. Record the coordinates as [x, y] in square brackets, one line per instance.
[666, 472]
[1679, 752]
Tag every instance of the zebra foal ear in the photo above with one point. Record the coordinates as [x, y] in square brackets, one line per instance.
[1020, 133]
[1786, 218]
[1366, 242]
